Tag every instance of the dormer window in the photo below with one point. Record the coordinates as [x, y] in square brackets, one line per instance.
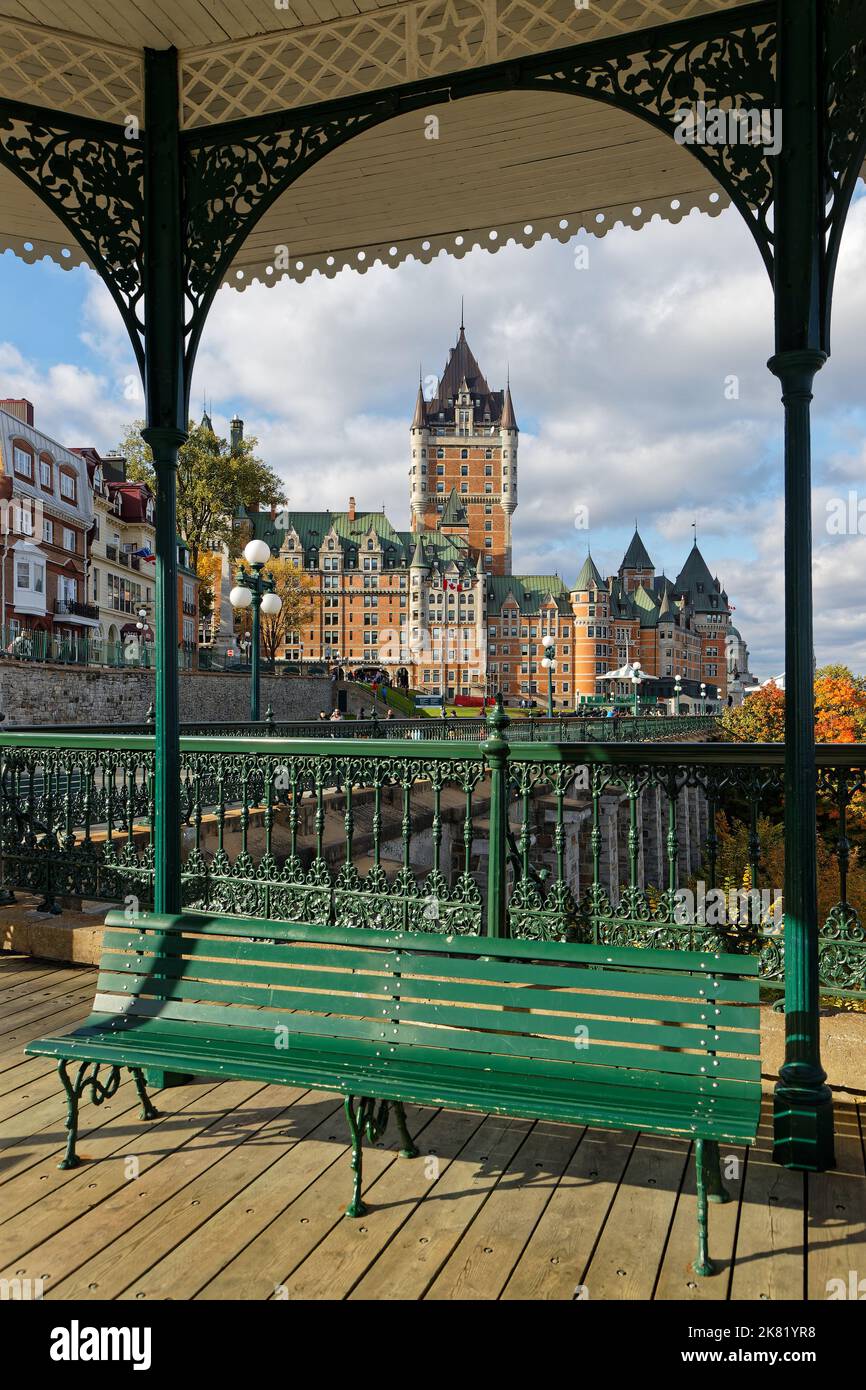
[46, 473]
[69, 486]
[23, 463]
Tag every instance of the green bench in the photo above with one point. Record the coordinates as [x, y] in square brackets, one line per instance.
[660, 1041]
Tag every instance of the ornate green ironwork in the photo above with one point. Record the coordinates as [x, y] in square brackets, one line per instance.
[91, 176]
[394, 835]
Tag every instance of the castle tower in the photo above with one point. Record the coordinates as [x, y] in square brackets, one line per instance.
[464, 441]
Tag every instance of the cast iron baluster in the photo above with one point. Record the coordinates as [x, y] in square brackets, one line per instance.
[220, 807]
[268, 824]
[293, 811]
[377, 821]
[437, 822]
[406, 831]
[633, 846]
[130, 802]
[524, 834]
[48, 903]
[672, 836]
[320, 812]
[245, 807]
[559, 833]
[348, 818]
[595, 844]
[843, 844]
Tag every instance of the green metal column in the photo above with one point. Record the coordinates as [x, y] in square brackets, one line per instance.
[165, 431]
[803, 1108]
[495, 750]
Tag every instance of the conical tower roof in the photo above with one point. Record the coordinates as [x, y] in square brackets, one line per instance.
[636, 557]
[419, 419]
[509, 420]
[589, 577]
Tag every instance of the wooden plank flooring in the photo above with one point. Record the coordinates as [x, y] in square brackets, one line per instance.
[238, 1191]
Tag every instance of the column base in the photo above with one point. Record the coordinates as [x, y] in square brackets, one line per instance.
[803, 1128]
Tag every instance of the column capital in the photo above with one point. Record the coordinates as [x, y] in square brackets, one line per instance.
[164, 441]
[797, 368]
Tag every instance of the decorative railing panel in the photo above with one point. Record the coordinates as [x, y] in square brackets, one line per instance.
[666, 844]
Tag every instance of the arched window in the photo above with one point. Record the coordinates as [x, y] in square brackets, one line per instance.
[46, 472]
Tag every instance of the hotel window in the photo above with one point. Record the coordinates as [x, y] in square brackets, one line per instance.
[45, 474]
[47, 531]
[23, 463]
[464, 453]
[68, 539]
[68, 486]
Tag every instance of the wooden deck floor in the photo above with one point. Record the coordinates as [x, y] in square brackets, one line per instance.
[238, 1192]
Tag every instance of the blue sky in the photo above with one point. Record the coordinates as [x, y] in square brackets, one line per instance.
[622, 381]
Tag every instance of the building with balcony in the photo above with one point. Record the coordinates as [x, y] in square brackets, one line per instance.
[122, 574]
[47, 516]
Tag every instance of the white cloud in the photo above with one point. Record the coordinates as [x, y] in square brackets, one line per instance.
[619, 376]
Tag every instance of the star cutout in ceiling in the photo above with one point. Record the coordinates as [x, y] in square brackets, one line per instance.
[451, 35]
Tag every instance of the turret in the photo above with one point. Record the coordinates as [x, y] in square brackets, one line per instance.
[418, 435]
[508, 432]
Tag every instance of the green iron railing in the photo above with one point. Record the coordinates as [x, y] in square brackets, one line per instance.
[501, 836]
[40, 645]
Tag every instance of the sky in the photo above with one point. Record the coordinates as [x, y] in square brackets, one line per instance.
[638, 372]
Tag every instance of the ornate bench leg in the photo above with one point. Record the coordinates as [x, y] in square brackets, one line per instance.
[100, 1091]
[410, 1148]
[148, 1109]
[70, 1159]
[716, 1190]
[356, 1128]
[703, 1264]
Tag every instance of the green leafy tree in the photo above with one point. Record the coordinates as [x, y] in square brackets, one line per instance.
[212, 482]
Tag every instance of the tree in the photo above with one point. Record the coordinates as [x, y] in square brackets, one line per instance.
[209, 570]
[840, 711]
[213, 481]
[297, 589]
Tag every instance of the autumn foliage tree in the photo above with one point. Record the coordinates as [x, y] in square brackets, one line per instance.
[297, 589]
[840, 711]
[840, 717]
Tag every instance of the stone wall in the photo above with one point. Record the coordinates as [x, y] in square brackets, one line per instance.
[42, 694]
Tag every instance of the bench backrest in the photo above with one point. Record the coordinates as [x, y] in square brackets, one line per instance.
[678, 1019]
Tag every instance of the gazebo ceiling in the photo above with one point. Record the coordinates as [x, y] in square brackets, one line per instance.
[511, 165]
[244, 57]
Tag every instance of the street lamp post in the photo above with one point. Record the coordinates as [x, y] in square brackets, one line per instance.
[703, 697]
[548, 662]
[257, 591]
[636, 680]
[141, 628]
[678, 686]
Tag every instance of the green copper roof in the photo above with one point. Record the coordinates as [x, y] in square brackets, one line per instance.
[455, 512]
[636, 557]
[696, 582]
[589, 577]
[529, 590]
[647, 606]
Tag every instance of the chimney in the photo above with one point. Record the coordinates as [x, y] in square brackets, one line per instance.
[351, 509]
[21, 409]
[237, 432]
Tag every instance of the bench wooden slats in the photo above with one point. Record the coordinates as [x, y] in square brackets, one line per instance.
[653, 1039]
[703, 1036]
[661, 980]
